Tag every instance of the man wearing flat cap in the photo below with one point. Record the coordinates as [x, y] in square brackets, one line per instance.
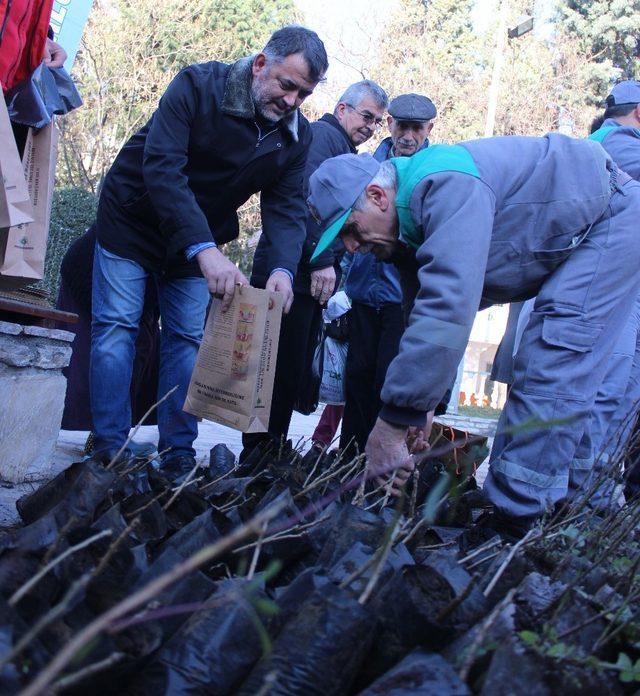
[494, 221]
[410, 122]
[376, 319]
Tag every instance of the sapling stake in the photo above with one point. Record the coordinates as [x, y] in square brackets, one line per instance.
[515, 548]
[181, 487]
[482, 632]
[78, 677]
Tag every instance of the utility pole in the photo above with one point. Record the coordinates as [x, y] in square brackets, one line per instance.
[524, 26]
[498, 62]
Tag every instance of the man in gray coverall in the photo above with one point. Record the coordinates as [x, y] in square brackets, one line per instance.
[619, 395]
[494, 221]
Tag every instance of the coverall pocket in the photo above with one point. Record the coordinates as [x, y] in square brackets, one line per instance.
[556, 249]
[560, 365]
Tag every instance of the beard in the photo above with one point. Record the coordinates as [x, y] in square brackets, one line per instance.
[271, 109]
[402, 255]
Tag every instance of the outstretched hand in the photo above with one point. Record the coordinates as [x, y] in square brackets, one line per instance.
[388, 457]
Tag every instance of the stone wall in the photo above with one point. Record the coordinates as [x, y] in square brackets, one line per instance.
[478, 426]
[32, 391]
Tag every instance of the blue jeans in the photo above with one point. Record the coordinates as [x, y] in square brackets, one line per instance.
[118, 298]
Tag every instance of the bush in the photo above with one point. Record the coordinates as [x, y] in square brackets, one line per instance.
[73, 210]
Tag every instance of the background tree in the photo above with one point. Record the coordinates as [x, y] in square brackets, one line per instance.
[431, 48]
[606, 37]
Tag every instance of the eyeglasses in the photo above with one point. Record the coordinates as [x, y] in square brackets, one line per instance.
[369, 119]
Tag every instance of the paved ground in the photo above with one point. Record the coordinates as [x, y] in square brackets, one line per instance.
[71, 443]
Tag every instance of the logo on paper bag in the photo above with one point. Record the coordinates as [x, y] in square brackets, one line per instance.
[243, 340]
[23, 243]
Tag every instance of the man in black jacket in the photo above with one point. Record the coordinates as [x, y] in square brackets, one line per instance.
[356, 117]
[220, 134]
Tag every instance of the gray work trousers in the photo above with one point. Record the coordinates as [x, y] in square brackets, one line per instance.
[579, 313]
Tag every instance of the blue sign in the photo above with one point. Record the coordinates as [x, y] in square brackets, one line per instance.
[67, 21]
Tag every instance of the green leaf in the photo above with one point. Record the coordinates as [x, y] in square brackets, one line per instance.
[266, 606]
[558, 650]
[622, 564]
[629, 672]
[538, 424]
[529, 638]
[624, 661]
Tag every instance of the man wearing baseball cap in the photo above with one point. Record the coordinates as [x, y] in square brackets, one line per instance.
[617, 404]
[376, 321]
[619, 133]
[494, 221]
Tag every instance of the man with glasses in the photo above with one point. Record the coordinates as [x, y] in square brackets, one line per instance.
[376, 319]
[356, 117]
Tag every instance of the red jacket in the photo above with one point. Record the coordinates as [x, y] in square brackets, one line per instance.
[23, 32]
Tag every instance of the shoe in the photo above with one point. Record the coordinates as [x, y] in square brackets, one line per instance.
[139, 450]
[105, 456]
[142, 450]
[88, 445]
[177, 468]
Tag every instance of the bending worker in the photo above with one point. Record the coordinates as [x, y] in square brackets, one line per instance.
[617, 405]
[494, 221]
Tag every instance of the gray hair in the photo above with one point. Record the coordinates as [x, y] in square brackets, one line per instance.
[386, 178]
[298, 39]
[358, 91]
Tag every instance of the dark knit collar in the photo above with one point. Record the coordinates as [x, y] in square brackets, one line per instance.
[237, 100]
[333, 121]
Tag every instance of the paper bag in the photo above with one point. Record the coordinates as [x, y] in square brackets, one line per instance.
[15, 205]
[232, 382]
[23, 247]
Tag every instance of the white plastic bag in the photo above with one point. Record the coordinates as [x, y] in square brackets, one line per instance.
[337, 305]
[335, 359]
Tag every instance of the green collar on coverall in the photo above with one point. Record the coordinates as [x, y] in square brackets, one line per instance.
[602, 133]
[411, 171]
